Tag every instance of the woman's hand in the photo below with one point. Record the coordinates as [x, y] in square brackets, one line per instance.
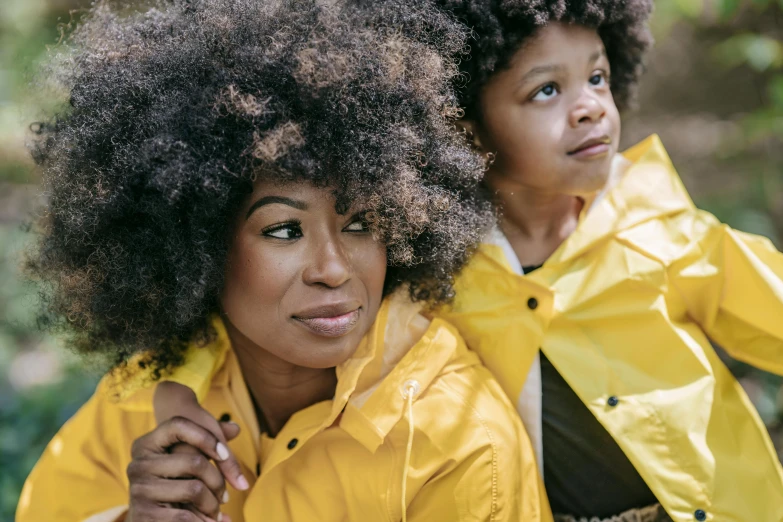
[176, 400]
[171, 476]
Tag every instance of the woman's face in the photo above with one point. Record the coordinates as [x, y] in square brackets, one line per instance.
[303, 282]
[550, 116]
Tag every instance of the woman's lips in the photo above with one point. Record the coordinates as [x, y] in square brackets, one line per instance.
[336, 326]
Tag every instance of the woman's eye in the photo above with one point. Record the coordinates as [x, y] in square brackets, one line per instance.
[598, 80]
[358, 225]
[287, 231]
[546, 92]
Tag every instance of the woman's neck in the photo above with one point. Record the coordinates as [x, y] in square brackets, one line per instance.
[535, 222]
[279, 389]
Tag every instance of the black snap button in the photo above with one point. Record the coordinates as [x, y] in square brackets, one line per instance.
[225, 417]
[292, 443]
[700, 515]
[613, 401]
[258, 468]
[532, 303]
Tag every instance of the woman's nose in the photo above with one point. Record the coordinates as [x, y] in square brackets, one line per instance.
[588, 109]
[329, 265]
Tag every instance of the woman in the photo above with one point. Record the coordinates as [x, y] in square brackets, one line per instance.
[269, 186]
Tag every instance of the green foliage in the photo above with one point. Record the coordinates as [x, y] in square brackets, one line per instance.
[27, 423]
[760, 52]
[740, 37]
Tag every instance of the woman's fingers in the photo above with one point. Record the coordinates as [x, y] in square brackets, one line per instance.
[153, 512]
[223, 432]
[184, 491]
[230, 430]
[175, 431]
[185, 463]
[230, 467]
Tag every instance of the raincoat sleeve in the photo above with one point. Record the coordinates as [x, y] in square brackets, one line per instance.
[732, 284]
[81, 475]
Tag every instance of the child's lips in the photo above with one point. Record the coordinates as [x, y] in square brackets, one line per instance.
[592, 151]
[592, 147]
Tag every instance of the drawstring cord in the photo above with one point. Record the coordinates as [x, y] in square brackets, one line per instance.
[409, 390]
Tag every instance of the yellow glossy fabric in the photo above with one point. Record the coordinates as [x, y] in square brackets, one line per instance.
[471, 459]
[625, 308]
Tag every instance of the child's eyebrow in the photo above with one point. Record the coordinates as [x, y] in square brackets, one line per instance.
[553, 68]
[597, 55]
[539, 70]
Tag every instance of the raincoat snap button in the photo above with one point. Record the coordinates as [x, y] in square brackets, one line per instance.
[292, 443]
[532, 303]
[410, 387]
[226, 417]
[613, 401]
[700, 515]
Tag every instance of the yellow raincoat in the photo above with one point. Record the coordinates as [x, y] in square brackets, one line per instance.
[339, 460]
[624, 309]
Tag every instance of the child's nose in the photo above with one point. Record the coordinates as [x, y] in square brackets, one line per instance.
[587, 109]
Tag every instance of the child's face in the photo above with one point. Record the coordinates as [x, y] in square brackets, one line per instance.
[303, 282]
[550, 117]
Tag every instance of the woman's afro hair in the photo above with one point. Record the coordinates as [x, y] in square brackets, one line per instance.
[500, 28]
[174, 111]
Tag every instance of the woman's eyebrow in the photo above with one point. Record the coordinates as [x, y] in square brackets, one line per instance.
[268, 200]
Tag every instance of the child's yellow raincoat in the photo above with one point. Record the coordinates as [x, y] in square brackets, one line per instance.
[624, 309]
[340, 460]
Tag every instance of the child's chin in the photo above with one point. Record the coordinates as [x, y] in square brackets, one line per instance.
[591, 180]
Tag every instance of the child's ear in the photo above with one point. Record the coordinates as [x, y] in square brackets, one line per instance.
[470, 129]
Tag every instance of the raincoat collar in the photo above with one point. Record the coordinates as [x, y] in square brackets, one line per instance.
[649, 189]
[401, 347]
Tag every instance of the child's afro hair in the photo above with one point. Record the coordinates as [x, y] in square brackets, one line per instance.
[501, 27]
[172, 112]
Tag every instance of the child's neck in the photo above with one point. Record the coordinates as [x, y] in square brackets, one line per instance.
[536, 222]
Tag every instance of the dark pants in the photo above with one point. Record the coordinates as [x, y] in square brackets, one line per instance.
[649, 514]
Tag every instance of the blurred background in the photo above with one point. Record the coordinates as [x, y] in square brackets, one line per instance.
[713, 91]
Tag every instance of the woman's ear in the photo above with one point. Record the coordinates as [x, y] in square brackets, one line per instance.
[470, 129]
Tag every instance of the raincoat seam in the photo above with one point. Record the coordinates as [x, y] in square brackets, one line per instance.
[391, 486]
[493, 445]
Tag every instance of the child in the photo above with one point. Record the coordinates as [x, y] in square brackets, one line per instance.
[595, 299]
[276, 188]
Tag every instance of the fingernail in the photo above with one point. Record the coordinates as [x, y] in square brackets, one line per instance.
[222, 451]
[220, 517]
[225, 497]
[242, 482]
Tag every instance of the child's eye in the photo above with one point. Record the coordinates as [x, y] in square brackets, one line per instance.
[546, 92]
[284, 231]
[599, 79]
